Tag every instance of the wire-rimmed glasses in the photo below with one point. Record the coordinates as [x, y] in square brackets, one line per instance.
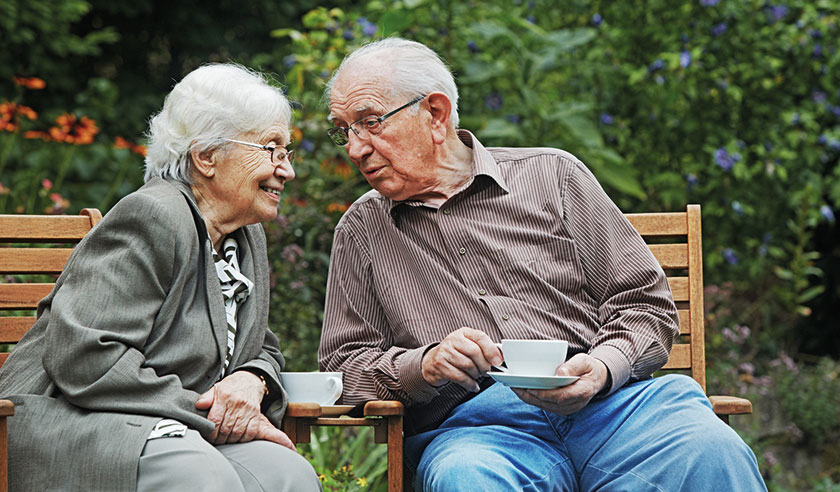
[278, 154]
[369, 124]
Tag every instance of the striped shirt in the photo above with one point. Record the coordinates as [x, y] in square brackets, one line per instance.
[531, 247]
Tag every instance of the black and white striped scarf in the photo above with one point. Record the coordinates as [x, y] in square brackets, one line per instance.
[236, 288]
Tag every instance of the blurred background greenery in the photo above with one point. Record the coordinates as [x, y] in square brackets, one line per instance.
[732, 104]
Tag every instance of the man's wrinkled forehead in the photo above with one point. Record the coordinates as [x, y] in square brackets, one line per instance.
[356, 88]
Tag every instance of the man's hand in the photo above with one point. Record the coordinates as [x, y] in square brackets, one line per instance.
[569, 399]
[234, 404]
[462, 357]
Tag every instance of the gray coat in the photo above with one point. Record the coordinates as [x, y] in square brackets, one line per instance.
[134, 331]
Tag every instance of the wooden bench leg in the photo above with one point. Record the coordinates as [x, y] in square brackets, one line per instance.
[395, 453]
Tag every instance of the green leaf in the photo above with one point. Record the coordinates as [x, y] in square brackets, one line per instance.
[810, 294]
[395, 21]
[500, 130]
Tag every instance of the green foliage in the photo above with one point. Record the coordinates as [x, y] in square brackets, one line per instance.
[347, 460]
[810, 396]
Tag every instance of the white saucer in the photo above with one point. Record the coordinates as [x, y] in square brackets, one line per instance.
[532, 382]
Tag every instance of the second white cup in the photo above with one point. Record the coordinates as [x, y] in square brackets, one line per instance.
[533, 357]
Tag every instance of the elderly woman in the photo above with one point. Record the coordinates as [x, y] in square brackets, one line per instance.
[151, 366]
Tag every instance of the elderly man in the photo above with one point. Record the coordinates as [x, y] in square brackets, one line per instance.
[459, 246]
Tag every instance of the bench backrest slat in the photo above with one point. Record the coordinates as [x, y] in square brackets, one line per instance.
[18, 233]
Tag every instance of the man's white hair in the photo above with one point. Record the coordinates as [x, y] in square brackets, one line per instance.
[413, 70]
[211, 103]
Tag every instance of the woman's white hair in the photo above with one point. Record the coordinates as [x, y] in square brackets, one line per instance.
[211, 103]
[413, 70]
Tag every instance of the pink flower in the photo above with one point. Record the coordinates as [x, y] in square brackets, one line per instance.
[46, 183]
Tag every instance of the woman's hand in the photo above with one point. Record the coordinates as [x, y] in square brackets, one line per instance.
[234, 404]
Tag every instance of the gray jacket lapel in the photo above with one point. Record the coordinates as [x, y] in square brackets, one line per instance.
[215, 301]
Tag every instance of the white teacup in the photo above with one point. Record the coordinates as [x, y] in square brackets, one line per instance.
[322, 388]
[533, 357]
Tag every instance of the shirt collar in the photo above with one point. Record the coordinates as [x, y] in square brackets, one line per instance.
[483, 164]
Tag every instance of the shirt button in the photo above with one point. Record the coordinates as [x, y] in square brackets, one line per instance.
[481, 292]
[447, 212]
[462, 251]
[505, 317]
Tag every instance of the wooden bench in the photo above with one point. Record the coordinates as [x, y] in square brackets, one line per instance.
[674, 239]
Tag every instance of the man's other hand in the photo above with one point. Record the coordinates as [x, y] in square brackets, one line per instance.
[569, 399]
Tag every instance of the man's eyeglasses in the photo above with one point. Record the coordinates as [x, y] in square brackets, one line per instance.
[278, 155]
[369, 124]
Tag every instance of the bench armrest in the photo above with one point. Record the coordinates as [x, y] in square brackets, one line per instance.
[730, 405]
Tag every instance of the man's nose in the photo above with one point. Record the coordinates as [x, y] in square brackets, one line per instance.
[358, 148]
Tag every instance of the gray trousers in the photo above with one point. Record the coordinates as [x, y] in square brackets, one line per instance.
[190, 463]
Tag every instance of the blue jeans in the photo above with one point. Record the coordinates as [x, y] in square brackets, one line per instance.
[659, 434]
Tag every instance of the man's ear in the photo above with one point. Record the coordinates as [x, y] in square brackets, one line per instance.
[204, 163]
[440, 107]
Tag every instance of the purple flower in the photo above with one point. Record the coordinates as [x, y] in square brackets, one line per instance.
[818, 97]
[709, 3]
[289, 61]
[531, 19]
[816, 34]
[836, 110]
[606, 119]
[494, 101]
[597, 19]
[656, 65]
[730, 256]
[834, 144]
[822, 139]
[827, 212]
[817, 50]
[292, 253]
[724, 160]
[368, 28]
[685, 59]
[746, 368]
[348, 35]
[778, 12]
[307, 145]
[719, 29]
[513, 118]
[691, 180]
[472, 47]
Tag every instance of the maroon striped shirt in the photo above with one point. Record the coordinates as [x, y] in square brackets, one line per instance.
[532, 247]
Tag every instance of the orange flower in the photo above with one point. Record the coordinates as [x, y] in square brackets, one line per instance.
[33, 83]
[337, 207]
[74, 131]
[139, 150]
[121, 143]
[10, 113]
[297, 134]
[37, 134]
